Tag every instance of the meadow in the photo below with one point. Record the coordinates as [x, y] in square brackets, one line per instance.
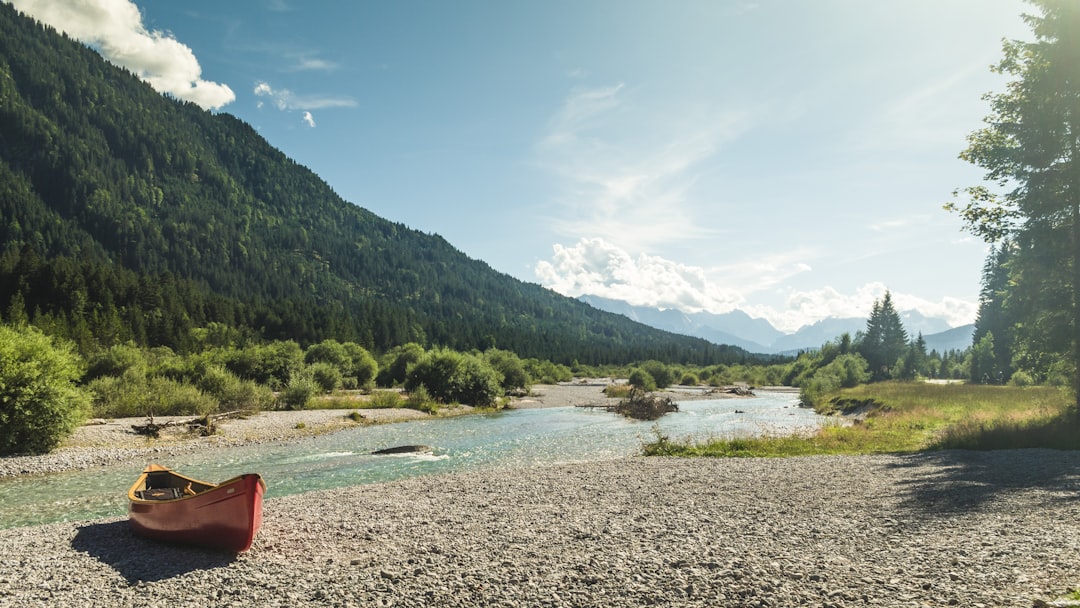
[904, 417]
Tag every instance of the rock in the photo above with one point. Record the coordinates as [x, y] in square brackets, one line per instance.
[404, 449]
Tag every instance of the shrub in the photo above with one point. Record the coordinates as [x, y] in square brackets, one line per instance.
[452, 377]
[299, 392]
[618, 391]
[643, 380]
[326, 376]
[328, 351]
[385, 399]
[39, 402]
[362, 365]
[397, 364]
[661, 373]
[689, 379]
[1021, 378]
[134, 395]
[420, 400]
[510, 367]
[114, 362]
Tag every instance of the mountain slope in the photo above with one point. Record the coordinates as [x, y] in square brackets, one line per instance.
[759, 336]
[130, 216]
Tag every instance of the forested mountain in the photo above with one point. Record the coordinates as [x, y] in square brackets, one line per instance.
[126, 215]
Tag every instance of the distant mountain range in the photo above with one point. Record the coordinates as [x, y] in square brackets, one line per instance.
[737, 328]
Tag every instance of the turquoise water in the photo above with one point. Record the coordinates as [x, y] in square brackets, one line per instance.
[515, 438]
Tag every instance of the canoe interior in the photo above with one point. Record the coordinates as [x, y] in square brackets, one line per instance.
[159, 483]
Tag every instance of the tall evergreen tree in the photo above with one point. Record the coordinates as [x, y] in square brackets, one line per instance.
[1030, 149]
[993, 316]
[885, 340]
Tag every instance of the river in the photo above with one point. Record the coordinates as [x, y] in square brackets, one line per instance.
[514, 438]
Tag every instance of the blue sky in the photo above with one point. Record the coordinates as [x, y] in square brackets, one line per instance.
[784, 157]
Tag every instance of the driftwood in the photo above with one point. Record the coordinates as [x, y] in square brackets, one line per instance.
[205, 425]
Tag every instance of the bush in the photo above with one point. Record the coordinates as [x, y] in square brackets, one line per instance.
[452, 377]
[1021, 378]
[420, 400]
[114, 362]
[689, 379]
[397, 363]
[385, 399]
[661, 373]
[643, 380]
[510, 368]
[299, 392]
[326, 376]
[362, 365]
[39, 402]
[134, 395]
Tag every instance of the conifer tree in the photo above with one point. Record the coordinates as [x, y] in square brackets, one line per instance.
[1030, 150]
[885, 340]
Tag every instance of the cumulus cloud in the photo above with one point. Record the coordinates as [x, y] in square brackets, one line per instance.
[115, 28]
[596, 267]
[309, 120]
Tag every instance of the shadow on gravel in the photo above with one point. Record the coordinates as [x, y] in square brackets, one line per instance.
[957, 481]
[138, 559]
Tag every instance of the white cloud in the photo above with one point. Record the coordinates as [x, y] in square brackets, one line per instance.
[309, 120]
[115, 28]
[596, 267]
[284, 99]
[806, 307]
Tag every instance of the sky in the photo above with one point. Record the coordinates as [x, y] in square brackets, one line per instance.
[782, 157]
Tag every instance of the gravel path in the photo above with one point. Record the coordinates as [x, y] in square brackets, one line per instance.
[940, 529]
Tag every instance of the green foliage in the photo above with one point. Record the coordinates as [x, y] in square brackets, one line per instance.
[135, 395]
[1029, 149]
[642, 379]
[39, 402]
[661, 373]
[845, 371]
[328, 351]
[452, 377]
[385, 399]
[885, 340]
[114, 361]
[546, 372]
[420, 400]
[689, 379]
[325, 375]
[396, 364]
[299, 392]
[362, 365]
[510, 368]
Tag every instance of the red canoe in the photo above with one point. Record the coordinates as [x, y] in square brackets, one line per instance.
[171, 507]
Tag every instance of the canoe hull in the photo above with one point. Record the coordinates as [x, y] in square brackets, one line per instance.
[222, 516]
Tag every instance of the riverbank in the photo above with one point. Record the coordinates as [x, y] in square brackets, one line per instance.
[937, 529]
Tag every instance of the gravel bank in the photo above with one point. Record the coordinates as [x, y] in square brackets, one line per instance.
[950, 528]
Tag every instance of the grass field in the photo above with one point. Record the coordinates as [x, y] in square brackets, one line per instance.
[908, 417]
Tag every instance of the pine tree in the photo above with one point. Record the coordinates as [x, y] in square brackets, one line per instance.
[1031, 149]
[885, 340]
